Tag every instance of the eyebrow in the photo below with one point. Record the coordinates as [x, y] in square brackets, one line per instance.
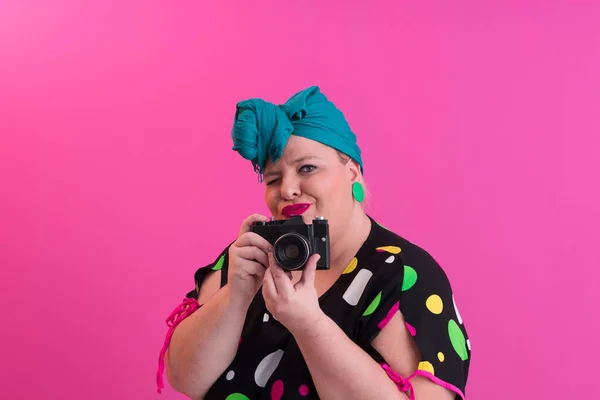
[296, 161]
[303, 158]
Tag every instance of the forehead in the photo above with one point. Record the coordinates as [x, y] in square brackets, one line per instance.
[298, 147]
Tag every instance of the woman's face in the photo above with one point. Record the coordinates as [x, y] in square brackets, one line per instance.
[311, 180]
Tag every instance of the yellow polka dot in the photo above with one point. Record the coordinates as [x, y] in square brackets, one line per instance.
[390, 249]
[441, 356]
[351, 266]
[434, 304]
[426, 366]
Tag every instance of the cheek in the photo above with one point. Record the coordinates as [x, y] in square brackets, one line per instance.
[339, 188]
[271, 200]
[331, 192]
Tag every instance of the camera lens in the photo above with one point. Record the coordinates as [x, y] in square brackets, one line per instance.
[291, 251]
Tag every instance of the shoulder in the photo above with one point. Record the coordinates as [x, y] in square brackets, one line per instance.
[421, 283]
[414, 258]
[407, 248]
[209, 277]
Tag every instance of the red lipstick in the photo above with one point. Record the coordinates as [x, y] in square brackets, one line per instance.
[294, 209]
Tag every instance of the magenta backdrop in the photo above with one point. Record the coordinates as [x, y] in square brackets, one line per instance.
[118, 178]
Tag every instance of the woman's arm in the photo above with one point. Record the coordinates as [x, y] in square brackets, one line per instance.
[205, 343]
[340, 368]
[400, 351]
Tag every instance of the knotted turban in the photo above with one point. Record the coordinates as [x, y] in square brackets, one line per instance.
[261, 129]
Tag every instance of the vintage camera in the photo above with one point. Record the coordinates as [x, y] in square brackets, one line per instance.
[294, 241]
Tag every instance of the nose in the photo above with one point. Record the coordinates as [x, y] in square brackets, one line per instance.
[290, 188]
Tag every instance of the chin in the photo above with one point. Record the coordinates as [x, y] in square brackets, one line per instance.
[308, 218]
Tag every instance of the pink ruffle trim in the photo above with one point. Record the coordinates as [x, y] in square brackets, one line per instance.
[184, 310]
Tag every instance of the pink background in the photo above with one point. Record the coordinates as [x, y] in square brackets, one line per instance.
[476, 124]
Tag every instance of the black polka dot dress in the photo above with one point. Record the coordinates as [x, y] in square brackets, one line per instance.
[387, 274]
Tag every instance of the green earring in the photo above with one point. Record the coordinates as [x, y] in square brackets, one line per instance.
[358, 192]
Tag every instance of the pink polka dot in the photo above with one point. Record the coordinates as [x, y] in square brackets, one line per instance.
[304, 390]
[277, 390]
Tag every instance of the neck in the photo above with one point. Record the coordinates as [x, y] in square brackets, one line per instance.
[354, 235]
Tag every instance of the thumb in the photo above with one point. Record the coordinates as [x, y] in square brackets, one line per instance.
[309, 273]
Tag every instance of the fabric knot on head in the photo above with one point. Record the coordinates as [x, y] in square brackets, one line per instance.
[261, 129]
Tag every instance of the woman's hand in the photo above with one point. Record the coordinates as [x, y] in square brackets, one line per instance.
[295, 306]
[248, 260]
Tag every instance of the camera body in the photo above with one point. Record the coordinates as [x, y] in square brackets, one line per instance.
[294, 241]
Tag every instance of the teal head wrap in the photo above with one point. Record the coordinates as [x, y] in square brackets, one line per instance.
[262, 129]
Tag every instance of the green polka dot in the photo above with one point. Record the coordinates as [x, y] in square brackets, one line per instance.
[458, 340]
[410, 278]
[219, 263]
[373, 306]
[237, 396]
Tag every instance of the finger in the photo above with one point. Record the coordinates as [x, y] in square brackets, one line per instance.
[269, 288]
[253, 239]
[253, 253]
[248, 222]
[254, 268]
[282, 281]
[275, 266]
[310, 271]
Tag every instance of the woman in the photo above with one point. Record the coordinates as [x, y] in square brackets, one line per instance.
[379, 323]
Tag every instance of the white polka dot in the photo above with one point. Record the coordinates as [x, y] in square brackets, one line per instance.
[456, 310]
[230, 375]
[469, 344]
[390, 259]
[357, 287]
[266, 367]
[266, 317]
